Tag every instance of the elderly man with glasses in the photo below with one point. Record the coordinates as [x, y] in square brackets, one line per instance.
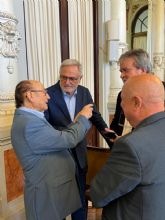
[50, 191]
[67, 98]
[132, 63]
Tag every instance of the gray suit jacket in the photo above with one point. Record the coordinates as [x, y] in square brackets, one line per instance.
[50, 187]
[131, 186]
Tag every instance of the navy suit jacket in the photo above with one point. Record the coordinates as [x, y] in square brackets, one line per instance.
[59, 117]
[117, 123]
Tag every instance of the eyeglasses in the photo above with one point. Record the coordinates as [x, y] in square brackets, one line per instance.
[71, 79]
[127, 70]
[43, 91]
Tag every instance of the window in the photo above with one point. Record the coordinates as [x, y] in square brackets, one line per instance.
[139, 29]
[141, 22]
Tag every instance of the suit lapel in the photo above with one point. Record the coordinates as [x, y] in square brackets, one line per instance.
[79, 101]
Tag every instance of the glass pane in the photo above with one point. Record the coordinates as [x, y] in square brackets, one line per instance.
[143, 15]
[141, 22]
[144, 25]
[138, 26]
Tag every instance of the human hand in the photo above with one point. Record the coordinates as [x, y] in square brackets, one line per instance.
[86, 112]
[110, 134]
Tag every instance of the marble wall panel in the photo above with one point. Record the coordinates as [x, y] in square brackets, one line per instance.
[14, 175]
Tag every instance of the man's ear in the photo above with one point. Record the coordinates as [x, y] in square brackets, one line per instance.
[29, 95]
[137, 101]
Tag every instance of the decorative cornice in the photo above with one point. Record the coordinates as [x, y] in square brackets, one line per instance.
[7, 15]
[5, 98]
[5, 141]
[158, 61]
[9, 37]
[7, 103]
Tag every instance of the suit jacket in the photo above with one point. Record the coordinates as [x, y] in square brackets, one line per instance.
[131, 186]
[59, 117]
[51, 190]
[117, 123]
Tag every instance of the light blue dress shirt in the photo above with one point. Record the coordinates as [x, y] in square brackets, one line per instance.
[70, 101]
[33, 111]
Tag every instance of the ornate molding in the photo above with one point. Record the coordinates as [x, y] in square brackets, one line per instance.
[6, 97]
[7, 111]
[7, 103]
[8, 16]
[9, 37]
[112, 100]
[158, 61]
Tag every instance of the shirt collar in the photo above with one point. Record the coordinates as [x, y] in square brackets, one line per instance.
[66, 94]
[33, 111]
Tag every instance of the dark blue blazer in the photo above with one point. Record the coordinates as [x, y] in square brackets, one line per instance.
[117, 123]
[59, 117]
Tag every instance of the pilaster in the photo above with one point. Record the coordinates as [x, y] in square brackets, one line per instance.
[118, 42]
[158, 58]
[12, 70]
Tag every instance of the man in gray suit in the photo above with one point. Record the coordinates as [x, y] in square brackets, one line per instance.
[131, 185]
[51, 191]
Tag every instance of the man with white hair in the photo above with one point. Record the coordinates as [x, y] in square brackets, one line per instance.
[67, 98]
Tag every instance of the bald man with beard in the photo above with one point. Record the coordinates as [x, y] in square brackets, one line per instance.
[135, 178]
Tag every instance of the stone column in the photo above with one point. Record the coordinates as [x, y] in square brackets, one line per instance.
[158, 37]
[117, 24]
[12, 70]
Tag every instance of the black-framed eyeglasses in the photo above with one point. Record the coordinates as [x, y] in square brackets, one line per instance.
[127, 70]
[71, 79]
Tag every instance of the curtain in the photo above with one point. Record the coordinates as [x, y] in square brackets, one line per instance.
[80, 16]
[43, 40]
[140, 42]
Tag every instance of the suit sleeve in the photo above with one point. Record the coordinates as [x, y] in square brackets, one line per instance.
[96, 118]
[43, 138]
[120, 175]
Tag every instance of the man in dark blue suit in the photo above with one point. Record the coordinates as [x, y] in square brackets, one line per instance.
[132, 63]
[67, 99]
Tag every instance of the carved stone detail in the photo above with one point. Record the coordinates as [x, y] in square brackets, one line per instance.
[7, 103]
[9, 37]
[158, 61]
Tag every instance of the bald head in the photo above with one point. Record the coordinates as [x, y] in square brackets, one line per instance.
[142, 96]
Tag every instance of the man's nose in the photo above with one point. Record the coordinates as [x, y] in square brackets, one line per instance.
[122, 74]
[48, 97]
[67, 81]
